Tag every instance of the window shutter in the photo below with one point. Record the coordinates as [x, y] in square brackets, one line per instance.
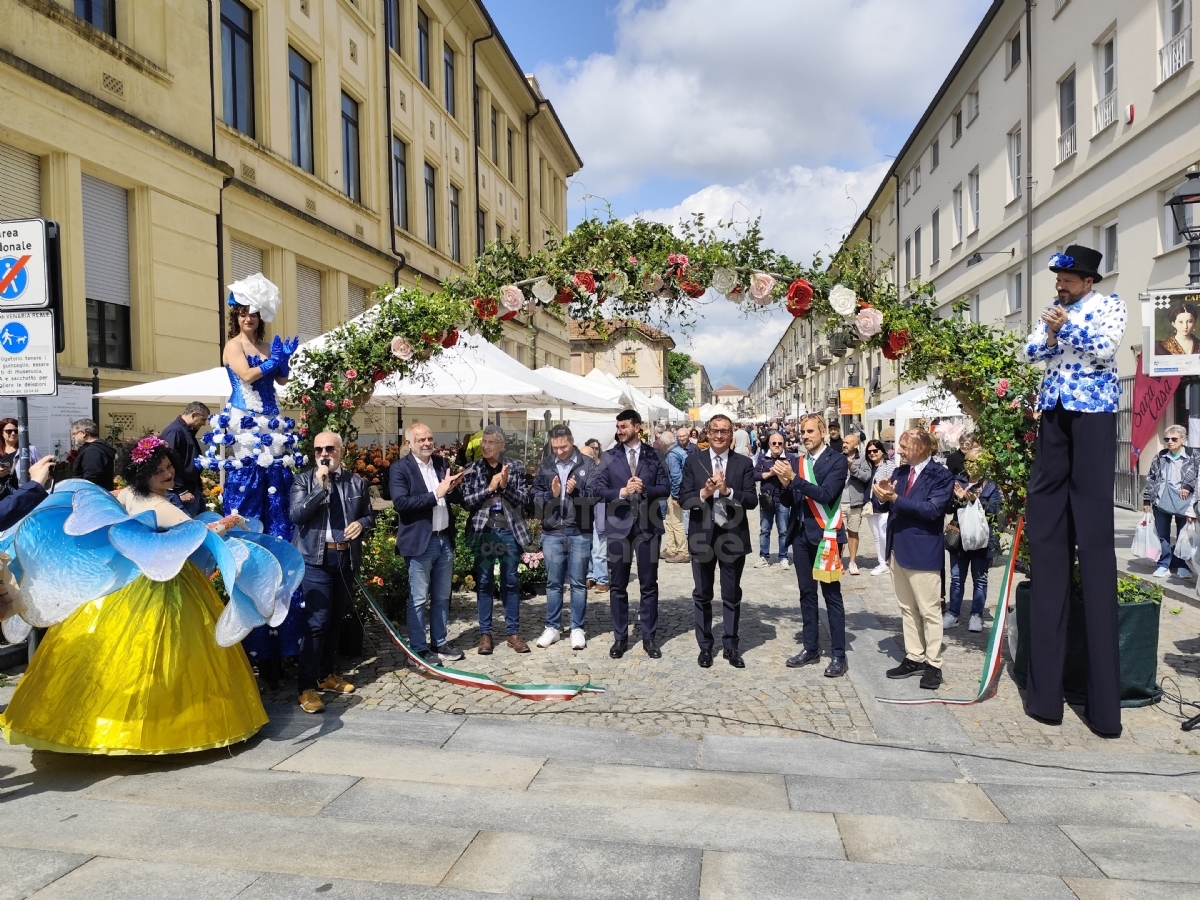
[105, 241]
[357, 299]
[244, 260]
[308, 302]
[20, 184]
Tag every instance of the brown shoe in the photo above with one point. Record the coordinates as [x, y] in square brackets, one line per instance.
[337, 684]
[591, 583]
[310, 701]
[517, 643]
[484, 647]
[601, 588]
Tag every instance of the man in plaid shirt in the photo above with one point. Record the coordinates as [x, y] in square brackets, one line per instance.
[495, 491]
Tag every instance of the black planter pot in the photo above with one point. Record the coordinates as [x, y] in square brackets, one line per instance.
[1137, 636]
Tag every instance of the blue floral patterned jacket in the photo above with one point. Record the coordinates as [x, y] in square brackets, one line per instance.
[1081, 368]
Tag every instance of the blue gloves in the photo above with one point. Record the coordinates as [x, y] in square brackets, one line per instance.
[281, 353]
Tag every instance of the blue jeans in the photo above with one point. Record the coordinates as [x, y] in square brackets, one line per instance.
[493, 547]
[327, 591]
[598, 569]
[567, 558]
[1162, 527]
[778, 516]
[429, 593]
[959, 566]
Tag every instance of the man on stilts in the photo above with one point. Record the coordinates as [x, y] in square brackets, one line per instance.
[1070, 501]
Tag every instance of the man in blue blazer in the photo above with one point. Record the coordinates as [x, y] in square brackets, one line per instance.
[918, 496]
[804, 536]
[422, 489]
[631, 482]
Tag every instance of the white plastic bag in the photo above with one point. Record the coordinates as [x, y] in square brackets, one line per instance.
[1185, 544]
[973, 526]
[1145, 541]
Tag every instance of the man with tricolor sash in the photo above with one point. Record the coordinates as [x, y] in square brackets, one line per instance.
[815, 533]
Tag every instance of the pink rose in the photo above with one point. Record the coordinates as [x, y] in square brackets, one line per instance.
[402, 349]
[329, 404]
[633, 261]
[1030, 437]
[347, 403]
[761, 285]
[512, 298]
[1014, 404]
[869, 322]
[1002, 387]
[329, 385]
[351, 374]
[305, 399]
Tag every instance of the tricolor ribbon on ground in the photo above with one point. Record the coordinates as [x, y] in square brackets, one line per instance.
[994, 659]
[473, 679]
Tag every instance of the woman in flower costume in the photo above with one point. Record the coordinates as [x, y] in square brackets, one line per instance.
[141, 657]
[252, 442]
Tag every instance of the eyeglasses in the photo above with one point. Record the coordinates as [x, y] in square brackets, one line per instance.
[874, 450]
[320, 450]
[720, 431]
[10, 431]
[1169, 440]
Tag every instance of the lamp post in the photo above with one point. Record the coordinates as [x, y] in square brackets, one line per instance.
[1184, 204]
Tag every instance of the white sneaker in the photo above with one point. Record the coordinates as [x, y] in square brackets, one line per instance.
[852, 568]
[549, 636]
[976, 624]
[881, 569]
[578, 639]
[949, 620]
[762, 563]
[784, 564]
[1162, 572]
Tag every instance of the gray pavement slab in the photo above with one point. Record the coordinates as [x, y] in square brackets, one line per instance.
[824, 758]
[23, 871]
[646, 784]
[384, 726]
[1044, 805]
[105, 878]
[565, 868]
[271, 886]
[24, 771]
[740, 876]
[1146, 854]
[1134, 771]
[578, 743]
[1111, 889]
[1027, 849]
[415, 764]
[909, 799]
[585, 818]
[201, 787]
[225, 839]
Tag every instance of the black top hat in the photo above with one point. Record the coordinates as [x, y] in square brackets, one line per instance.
[1079, 260]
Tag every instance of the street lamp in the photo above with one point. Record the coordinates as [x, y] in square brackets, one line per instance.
[851, 371]
[1184, 205]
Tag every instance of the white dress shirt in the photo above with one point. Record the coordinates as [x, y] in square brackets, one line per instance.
[441, 512]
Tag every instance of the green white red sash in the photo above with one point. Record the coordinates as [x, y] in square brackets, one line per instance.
[828, 564]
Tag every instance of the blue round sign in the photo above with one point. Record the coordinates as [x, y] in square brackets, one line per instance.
[14, 337]
[13, 283]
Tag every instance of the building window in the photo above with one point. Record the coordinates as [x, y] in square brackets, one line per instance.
[106, 273]
[935, 233]
[508, 156]
[455, 226]
[1176, 51]
[392, 24]
[101, 13]
[400, 182]
[300, 100]
[430, 206]
[956, 125]
[1066, 117]
[973, 190]
[935, 155]
[351, 180]
[309, 318]
[1014, 51]
[1014, 164]
[499, 233]
[917, 250]
[1108, 243]
[542, 183]
[480, 230]
[628, 364]
[907, 260]
[916, 177]
[356, 299]
[1015, 292]
[495, 126]
[972, 106]
[1106, 83]
[423, 47]
[973, 313]
[237, 66]
[448, 56]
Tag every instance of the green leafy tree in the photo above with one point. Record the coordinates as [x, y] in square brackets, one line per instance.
[680, 368]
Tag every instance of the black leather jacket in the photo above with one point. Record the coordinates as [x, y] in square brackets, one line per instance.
[308, 508]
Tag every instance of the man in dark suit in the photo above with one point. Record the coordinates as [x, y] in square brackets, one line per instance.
[918, 495]
[815, 519]
[180, 436]
[422, 488]
[718, 489]
[631, 482]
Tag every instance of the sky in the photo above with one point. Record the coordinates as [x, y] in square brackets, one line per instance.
[791, 110]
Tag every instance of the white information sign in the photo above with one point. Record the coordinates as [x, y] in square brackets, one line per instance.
[27, 362]
[1171, 332]
[24, 281]
[50, 418]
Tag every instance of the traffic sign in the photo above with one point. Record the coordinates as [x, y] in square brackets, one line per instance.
[24, 276]
[27, 360]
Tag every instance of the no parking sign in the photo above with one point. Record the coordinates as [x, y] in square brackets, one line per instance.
[24, 275]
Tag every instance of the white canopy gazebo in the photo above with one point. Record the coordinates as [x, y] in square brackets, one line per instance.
[926, 402]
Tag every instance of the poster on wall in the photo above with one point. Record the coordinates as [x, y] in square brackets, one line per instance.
[50, 418]
[1171, 332]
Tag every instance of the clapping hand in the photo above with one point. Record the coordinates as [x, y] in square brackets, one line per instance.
[556, 486]
[499, 480]
[719, 481]
[783, 472]
[1055, 318]
[634, 486]
[447, 484]
[884, 491]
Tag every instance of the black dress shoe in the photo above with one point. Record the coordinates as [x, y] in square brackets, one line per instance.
[617, 650]
[804, 658]
[651, 649]
[932, 679]
[1042, 719]
[705, 659]
[907, 669]
[837, 667]
[735, 659]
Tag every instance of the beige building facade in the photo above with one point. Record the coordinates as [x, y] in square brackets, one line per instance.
[630, 350]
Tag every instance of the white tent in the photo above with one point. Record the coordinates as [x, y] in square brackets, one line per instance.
[210, 386]
[925, 402]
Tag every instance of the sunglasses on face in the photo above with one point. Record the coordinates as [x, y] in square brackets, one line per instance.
[322, 450]
[14, 431]
[1170, 440]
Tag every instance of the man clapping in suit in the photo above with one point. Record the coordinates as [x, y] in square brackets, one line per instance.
[718, 488]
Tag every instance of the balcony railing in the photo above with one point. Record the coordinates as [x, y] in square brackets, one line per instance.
[1175, 55]
[1106, 111]
[1059, 4]
[812, 361]
[1066, 144]
[824, 357]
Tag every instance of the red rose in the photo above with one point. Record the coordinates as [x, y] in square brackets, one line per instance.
[896, 344]
[428, 338]
[450, 339]
[377, 377]
[586, 282]
[691, 288]
[566, 295]
[485, 307]
[799, 297]
[511, 314]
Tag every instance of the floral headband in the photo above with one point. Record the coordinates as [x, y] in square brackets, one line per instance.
[145, 448]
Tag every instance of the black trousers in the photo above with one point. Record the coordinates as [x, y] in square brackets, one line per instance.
[804, 554]
[1070, 505]
[327, 590]
[621, 553]
[704, 570]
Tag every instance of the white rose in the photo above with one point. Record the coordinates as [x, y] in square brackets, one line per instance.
[843, 300]
[761, 285]
[724, 281]
[544, 291]
[401, 348]
[616, 284]
[511, 297]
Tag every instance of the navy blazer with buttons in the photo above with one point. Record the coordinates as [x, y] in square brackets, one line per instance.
[639, 514]
[830, 470]
[917, 519]
[414, 503]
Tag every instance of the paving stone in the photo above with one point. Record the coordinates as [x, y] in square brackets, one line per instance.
[1028, 849]
[1096, 806]
[105, 878]
[394, 727]
[271, 886]
[415, 764]
[908, 799]
[522, 864]
[823, 758]
[1110, 889]
[1133, 771]
[587, 818]
[646, 785]
[1146, 854]
[24, 871]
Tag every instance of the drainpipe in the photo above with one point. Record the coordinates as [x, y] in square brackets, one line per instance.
[1027, 300]
[387, 155]
[478, 114]
[528, 184]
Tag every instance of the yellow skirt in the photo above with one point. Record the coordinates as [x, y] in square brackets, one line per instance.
[137, 672]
